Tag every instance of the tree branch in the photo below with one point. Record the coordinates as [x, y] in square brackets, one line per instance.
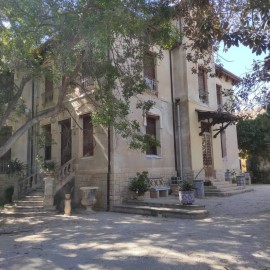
[12, 104]
[19, 132]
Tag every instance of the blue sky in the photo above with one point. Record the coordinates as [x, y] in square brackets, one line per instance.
[238, 60]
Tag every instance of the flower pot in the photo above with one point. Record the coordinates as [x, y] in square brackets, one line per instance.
[240, 180]
[187, 197]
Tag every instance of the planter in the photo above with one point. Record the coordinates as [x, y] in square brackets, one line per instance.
[145, 196]
[199, 191]
[240, 180]
[247, 178]
[228, 176]
[187, 197]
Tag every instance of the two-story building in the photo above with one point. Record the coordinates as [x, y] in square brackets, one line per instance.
[196, 137]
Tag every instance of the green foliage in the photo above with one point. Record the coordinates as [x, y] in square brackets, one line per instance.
[139, 184]
[186, 186]
[16, 167]
[106, 40]
[254, 136]
[46, 166]
[254, 143]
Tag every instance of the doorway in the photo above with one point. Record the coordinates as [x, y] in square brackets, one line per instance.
[66, 141]
[207, 151]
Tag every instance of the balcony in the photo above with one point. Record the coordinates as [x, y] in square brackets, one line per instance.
[203, 95]
[152, 85]
[87, 83]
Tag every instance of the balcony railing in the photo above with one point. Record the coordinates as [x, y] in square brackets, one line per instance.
[152, 84]
[203, 95]
[87, 83]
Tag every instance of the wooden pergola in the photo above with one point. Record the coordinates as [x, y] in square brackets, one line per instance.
[215, 118]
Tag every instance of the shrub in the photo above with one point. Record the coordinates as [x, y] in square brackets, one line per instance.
[139, 184]
[16, 167]
[186, 186]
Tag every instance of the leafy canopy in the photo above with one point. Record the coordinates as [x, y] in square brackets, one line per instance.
[110, 37]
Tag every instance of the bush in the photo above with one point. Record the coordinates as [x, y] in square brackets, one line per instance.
[139, 184]
[16, 167]
[8, 194]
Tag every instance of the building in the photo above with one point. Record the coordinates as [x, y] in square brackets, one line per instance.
[196, 138]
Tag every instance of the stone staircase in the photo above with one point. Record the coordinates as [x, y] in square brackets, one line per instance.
[29, 205]
[224, 188]
[164, 209]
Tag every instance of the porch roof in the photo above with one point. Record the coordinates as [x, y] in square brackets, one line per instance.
[215, 118]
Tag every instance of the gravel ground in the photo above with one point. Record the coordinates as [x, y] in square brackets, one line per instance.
[235, 236]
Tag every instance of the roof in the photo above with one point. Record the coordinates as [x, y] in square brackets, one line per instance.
[222, 71]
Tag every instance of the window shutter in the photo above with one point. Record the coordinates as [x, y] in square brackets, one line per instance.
[88, 139]
[151, 130]
[149, 66]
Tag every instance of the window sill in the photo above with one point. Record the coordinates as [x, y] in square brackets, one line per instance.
[153, 156]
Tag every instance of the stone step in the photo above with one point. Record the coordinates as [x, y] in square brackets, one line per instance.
[214, 188]
[219, 193]
[165, 205]
[26, 213]
[28, 203]
[24, 208]
[33, 198]
[160, 211]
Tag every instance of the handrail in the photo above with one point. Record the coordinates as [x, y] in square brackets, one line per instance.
[199, 173]
[64, 174]
[24, 185]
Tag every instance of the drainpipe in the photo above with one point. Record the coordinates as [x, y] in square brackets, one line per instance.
[109, 170]
[177, 101]
[32, 128]
[173, 115]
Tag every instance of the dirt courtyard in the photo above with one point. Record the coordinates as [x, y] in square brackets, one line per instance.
[236, 235]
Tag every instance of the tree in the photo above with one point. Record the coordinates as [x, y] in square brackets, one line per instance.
[254, 143]
[110, 37]
[70, 41]
[209, 23]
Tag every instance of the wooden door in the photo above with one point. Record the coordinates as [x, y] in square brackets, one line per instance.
[207, 154]
[66, 141]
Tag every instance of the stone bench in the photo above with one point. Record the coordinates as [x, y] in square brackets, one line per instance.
[158, 187]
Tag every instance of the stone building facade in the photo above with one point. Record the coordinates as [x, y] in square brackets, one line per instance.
[102, 158]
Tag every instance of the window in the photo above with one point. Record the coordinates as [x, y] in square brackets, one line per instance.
[219, 96]
[86, 81]
[151, 129]
[5, 133]
[48, 142]
[223, 144]
[88, 139]
[202, 80]
[149, 69]
[48, 90]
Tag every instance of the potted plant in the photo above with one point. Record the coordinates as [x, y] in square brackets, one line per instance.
[139, 185]
[47, 167]
[186, 193]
